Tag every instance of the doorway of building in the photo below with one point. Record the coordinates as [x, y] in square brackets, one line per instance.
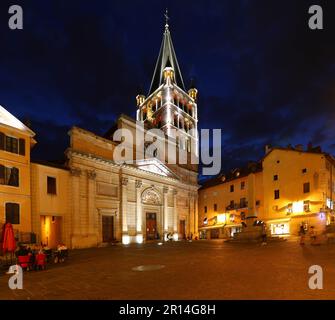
[108, 229]
[182, 229]
[151, 226]
[51, 231]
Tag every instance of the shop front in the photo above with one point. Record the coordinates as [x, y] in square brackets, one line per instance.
[279, 227]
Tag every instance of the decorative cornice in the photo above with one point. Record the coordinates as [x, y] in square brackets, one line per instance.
[131, 170]
[138, 184]
[165, 189]
[76, 172]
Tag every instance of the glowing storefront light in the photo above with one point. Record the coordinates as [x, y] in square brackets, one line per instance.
[221, 218]
[280, 228]
[298, 207]
[329, 203]
[175, 236]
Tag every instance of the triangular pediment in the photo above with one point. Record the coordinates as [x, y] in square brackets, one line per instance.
[7, 119]
[154, 165]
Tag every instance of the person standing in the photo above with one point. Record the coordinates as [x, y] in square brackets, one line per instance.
[302, 235]
[312, 235]
[264, 234]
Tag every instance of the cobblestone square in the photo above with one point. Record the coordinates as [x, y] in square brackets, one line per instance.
[183, 270]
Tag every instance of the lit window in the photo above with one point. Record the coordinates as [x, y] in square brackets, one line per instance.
[9, 176]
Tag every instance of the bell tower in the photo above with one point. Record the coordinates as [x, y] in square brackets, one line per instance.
[168, 106]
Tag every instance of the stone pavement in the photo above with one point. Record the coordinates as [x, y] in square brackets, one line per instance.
[198, 270]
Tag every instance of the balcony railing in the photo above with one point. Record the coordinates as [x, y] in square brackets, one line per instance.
[237, 206]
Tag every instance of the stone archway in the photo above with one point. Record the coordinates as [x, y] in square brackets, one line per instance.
[151, 196]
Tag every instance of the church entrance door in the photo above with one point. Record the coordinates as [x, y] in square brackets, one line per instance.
[151, 226]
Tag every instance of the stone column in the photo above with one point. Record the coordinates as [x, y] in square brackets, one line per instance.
[124, 201]
[91, 175]
[190, 227]
[175, 215]
[139, 231]
[75, 214]
[196, 216]
[165, 213]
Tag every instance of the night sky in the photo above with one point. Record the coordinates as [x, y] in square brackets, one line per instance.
[263, 76]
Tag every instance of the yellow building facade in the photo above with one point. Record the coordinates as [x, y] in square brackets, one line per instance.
[51, 220]
[298, 190]
[16, 140]
[290, 188]
[225, 202]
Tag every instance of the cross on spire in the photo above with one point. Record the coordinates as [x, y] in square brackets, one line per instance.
[166, 15]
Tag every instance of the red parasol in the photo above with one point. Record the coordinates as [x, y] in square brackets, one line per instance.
[9, 244]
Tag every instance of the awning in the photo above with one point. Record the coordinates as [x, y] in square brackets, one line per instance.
[236, 225]
[217, 226]
[278, 220]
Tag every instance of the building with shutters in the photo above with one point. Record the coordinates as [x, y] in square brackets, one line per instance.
[288, 188]
[16, 140]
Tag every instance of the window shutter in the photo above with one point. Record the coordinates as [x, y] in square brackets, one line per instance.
[2, 141]
[22, 147]
[15, 174]
[16, 213]
[2, 174]
[14, 177]
[8, 212]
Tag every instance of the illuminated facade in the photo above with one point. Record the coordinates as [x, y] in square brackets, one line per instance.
[16, 140]
[93, 199]
[168, 107]
[288, 188]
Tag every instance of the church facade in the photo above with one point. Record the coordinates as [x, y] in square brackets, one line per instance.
[95, 199]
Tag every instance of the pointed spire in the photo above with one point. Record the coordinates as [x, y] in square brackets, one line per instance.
[166, 58]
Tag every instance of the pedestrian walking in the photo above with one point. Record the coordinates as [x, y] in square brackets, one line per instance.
[302, 235]
[264, 234]
[312, 235]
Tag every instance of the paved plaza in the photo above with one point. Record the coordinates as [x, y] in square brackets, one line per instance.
[183, 270]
